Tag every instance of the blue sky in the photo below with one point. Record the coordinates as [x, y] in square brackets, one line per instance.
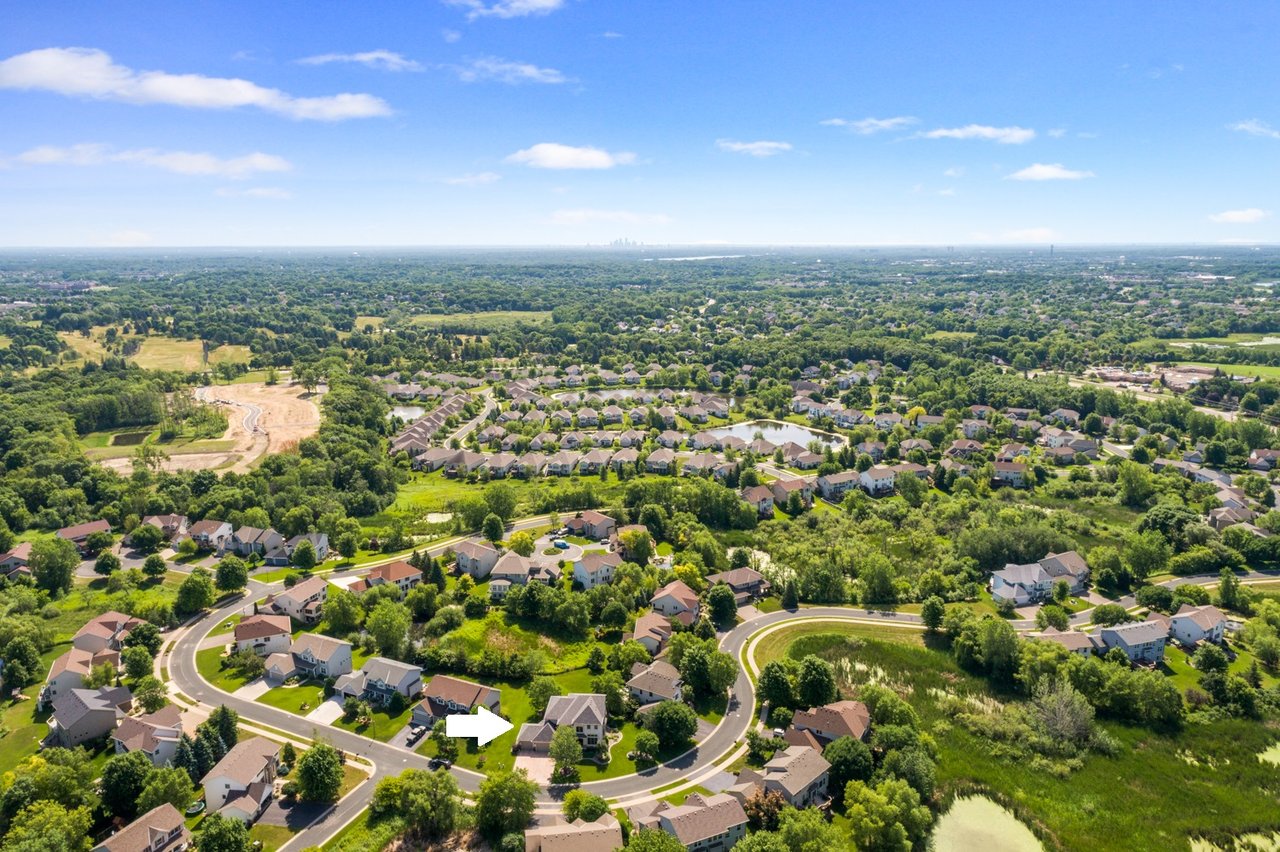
[564, 122]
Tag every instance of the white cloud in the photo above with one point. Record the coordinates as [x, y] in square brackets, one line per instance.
[274, 193]
[1003, 135]
[83, 72]
[506, 8]
[762, 148]
[179, 162]
[948, 192]
[954, 172]
[611, 34]
[1254, 127]
[1057, 133]
[451, 36]
[1049, 171]
[382, 60]
[478, 179]
[1028, 235]
[552, 155]
[1246, 216]
[506, 71]
[868, 126]
[624, 217]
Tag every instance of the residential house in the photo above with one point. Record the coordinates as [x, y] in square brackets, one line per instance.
[239, 786]
[283, 554]
[448, 696]
[747, 583]
[760, 498]
[1192, 624]
[562, 463]
[156, 734]
[595, 569]
[302, 603]
[584, 712]
[402, 575]
[1034, 582]
[878, 479]
[594, 461]
[783, 489]
[660, 461]
[1066, 415]
[834, 486]
[833, 721]
[83, 715]
[701, 464]
[1074, 641]
[379, 680]
[311, 656]
[626, 457]
[677, 600]
[554, 834]
[652, 630]
[171, 526]
[657, 681]
[974, 429]
[1010, 473]
[798, 773]
[874, 449]
[160, 829]
[1142, 642]
[70, 669]
[475, 559]
[17, 560]
[263, 634]
[591, 524]
[79, 533]
[703, 823]
[105, 632]
[963, 448]
[210, 535]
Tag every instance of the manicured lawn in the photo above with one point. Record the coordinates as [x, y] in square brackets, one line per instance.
[678, 798]
[226, 626]
[664, 548]
[22, 726]
[496, 630]
[209, 665]
[769, 604]
[270, 836]
[351, 779]
[292, 699]
[384, 725]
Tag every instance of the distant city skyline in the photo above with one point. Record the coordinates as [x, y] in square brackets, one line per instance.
[575, 122]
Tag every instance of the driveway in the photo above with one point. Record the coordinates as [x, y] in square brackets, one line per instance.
[570, 554]
[327, 713]
[539, 767]
[253, 689]
[401, 739]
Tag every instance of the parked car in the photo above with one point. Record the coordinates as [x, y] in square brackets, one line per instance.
[562, 544]
[438, 763]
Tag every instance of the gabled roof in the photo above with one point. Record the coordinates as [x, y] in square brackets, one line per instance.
[394, 572]
[461, 692]
[835, 720]
[262, 626]
[576, 708]
[795, 768]
[321, 647]
[681, 592]
[83, 530]
[148, 831]
[245, 760]
[1205, 617]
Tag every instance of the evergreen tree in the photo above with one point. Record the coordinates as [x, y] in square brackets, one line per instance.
[790, 595]
[437, 575]
[185, 758]
[226, 722]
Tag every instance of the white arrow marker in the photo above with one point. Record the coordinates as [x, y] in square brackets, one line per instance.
[484, 725]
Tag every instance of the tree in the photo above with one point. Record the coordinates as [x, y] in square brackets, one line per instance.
[166, 784]
[613, 616]
[233, 574]
[97, 542]
[226, 723]
[1052, 615]
[932, 611]
[222, 834]
[320, 773]
[774, 685]
[674, 723]
[107, 563]
[1109, 614]
[790, 595]
[540, 691]
[154, 566]
[610, 685]
[761, 841]
[887, 816]
[195, 594]
[654, 840]
[22, 662]
[808, 831]
[815, 682]
[389, 624]
[491, 528]
[304, 556]
[637, 545]
[150, 694]
[1209, 658]
[47, 826]
[146, 538]
[342, 611]
[596, 660]
[1229, 596]
[647, 744]
[138, 662]
[446, 746]
[565, 750]
[436, 575]
[913, 490]
[501, 500]
[763, 807]
[522, 542]
[146, 635]
[53, 564]
[723, 605]
[505, 803]
[1135, 484]
[123, 778]
[878, 585]
[579, 804]
[850, 760]
[429, 801]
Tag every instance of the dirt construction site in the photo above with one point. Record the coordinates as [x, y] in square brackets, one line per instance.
[261, 419]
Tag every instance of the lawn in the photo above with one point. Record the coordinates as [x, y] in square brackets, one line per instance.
[226, 626]
[383, 726]
[366, 834]
[270, 836]
[209, 665]
[301, 699]
[167, 353]
[21, 727]
[89, 599]
[1265, 371]
[1120, 802]
[487, 319]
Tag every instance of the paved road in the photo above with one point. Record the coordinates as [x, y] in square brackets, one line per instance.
[471, 425]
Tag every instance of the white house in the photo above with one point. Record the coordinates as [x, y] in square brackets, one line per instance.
[1192, 624]
[595, 569]
[263, 634]
[303, 602]
[239, 785]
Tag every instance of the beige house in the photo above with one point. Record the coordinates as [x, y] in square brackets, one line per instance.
[704, 823]
[556, 835]
[158, 830]
[263, 634]
[239, 785]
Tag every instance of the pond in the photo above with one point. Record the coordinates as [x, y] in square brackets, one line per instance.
[407, 413]
[775, 432]
[976, 822]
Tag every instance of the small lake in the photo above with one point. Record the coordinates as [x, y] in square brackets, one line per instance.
[407, 413]
[776, 433]
[976, 822]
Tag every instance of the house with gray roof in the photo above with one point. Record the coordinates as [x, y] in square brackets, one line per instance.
[1142, 642]
[379, 680]
[799, 774]
[705, 823]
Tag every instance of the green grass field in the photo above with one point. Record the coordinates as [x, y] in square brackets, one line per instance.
[366, 834]
[1265, 371]
[383, 725]
[490, 319]
[209, 665]
[301, 699]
